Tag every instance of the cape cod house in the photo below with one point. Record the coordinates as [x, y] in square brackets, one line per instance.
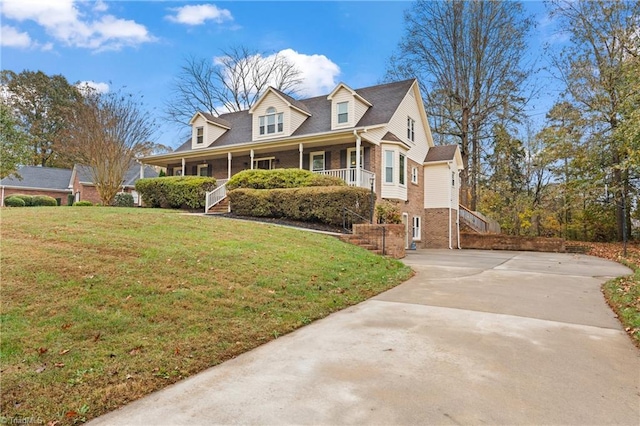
[375, 136]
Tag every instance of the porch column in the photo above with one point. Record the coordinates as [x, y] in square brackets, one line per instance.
[183, 168]
[229, 156]
[251, 155]
[301, 150]
[358, 169]
[141, 171]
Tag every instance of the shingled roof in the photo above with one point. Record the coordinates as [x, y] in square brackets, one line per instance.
[385, 99]
[130, 178]
[39, 177]
[441, 153]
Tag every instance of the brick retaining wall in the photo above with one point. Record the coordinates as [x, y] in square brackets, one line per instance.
[510, 242]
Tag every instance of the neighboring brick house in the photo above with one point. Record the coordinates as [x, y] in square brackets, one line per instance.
[377, 134]
[83, 187]
[36, 180]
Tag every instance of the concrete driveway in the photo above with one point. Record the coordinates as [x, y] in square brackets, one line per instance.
[476, 337]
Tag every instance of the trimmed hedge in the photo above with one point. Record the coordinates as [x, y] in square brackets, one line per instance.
[13, 201]
[313, 204]
[44, 200]
[28, 199]
[280, 178]
[175, 191]
[83, 204]
[123, 199]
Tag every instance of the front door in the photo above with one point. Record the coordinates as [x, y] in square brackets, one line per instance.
[352, 179]
[405, 222]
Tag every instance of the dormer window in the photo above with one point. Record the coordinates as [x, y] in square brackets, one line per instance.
[343, 112]
[199, 135]
[272, 122]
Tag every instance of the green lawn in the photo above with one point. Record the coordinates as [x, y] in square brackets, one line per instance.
[100, 306]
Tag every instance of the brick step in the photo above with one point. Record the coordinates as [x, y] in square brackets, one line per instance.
[221, 207]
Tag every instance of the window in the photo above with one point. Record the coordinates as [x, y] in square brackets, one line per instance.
[263, 163]
[414, 175]
[388, 166]
[317, 161]
[203, 170]
[453, 178]
[351, 155]
[411, 124]
[272, 122]
[177, 171]
[199, 135]
[402, 170]
[343, 112]
[416, 228]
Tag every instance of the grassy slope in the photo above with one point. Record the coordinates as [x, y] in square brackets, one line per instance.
[101, 306]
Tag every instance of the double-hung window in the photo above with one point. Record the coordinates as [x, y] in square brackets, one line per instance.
[411, 124]
[199, 135]
[388, 166]
[416, 228]
[272, 122]
[317, 161]
[402, 169]
[343, 112]
[414, 175]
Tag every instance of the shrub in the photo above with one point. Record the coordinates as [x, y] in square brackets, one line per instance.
[70, 199]
[44, 200]
[388, 212]
[315, 204]
[83, 203]
[280, 178]
[28, 199]
[13, 201]
[175, 191]
[123, 199]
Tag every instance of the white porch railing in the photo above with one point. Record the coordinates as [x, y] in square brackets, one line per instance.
[351, 176]
[217, 195]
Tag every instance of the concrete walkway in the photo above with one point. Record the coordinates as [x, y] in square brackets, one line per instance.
[476, 337]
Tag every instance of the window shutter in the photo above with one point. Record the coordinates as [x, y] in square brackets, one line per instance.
[367, 158]
[327, 160]
[343, 158]
[305, 161]
[194, 170]
[209, 171]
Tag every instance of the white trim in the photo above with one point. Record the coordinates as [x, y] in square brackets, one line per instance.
[29, 188]
[202, 166]
[405, 221]
[349, 151]
[416, 175]
[414, 228]
[255, 162]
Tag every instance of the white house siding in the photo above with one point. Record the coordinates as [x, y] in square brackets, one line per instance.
[212, 132]
[271, 100]
[438, 191]
[360, 109]
[342, 95]
[393, 190]
[398, 126]
[198, 122]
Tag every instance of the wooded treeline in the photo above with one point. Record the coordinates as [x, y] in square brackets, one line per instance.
[575, 174]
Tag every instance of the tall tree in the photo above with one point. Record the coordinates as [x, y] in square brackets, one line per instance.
[14, 143]
[39, 102]
[468, 55]
[106, 132]
[232, 81]
[604, 42]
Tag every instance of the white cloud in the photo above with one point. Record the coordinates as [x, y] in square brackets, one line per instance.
[318, 73]
[11, 37]
[198, 14]
[65, 22]
[93, 85]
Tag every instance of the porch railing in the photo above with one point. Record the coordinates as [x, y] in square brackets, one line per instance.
[217, 195]
[474, 221]
[351, 176]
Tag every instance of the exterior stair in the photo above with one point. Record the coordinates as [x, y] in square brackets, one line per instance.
[361, 241]
[220, 208]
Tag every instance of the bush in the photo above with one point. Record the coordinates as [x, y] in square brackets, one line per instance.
[83, 203]
[281, 178]
[28, 199]
[175, 191]
[44, 200]
[316, 204]
[388, 212]
[123, 199]
[13, 201]
[70, 199]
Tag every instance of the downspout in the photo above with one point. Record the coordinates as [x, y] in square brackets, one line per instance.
[450, 201]
[458, 210]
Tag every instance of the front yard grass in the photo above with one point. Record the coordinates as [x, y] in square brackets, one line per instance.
[100, 306]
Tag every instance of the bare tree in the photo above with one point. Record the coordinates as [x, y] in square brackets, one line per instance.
[468, 56]
[232, 81]
[106, 132]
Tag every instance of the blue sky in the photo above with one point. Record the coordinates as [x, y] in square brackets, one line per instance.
[140, 45]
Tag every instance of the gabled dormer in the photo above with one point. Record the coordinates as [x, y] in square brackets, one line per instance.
[276, 115]
[347, 107]
[206, 128]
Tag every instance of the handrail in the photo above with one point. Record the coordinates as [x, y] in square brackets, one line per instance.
[217, 195]
[347, 226]
[473, 220]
